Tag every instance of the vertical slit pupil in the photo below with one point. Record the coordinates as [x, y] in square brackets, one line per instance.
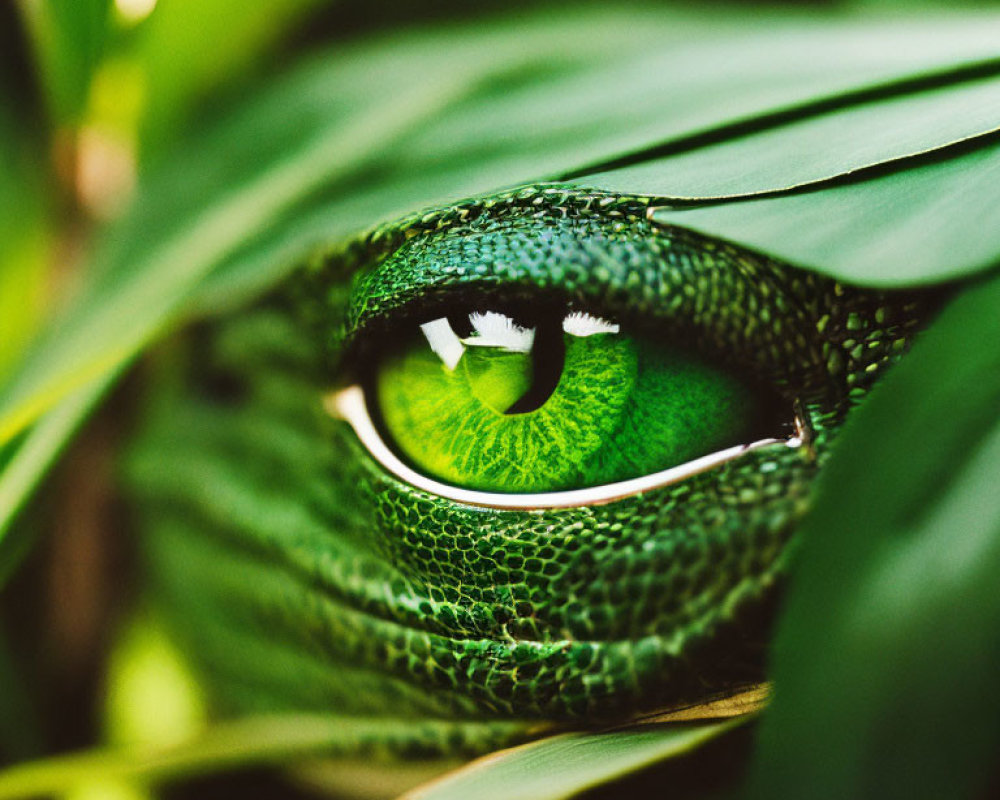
[548, 356]
[461, 324]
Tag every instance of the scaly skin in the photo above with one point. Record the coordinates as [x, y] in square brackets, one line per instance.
[301, 575]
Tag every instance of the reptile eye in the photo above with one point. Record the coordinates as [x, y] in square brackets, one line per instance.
[520, 356]
[550, 402]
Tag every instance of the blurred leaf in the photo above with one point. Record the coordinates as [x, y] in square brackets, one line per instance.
[251, 741]
[25, 252]
[185, 48]
[68, 37]
[151, 696]
[725, 705]
[151, 700]
[933, 221]
[382, 127]
[887, 657]
[25, 461]
[107, 790]
[563, 766]
[24, 242]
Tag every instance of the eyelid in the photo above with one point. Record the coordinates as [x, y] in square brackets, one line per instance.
[613, 264]
[349, 405]
[507, 259]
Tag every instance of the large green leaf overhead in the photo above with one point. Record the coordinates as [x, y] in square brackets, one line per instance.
[382, 127]
[853, 136]
[925, 222]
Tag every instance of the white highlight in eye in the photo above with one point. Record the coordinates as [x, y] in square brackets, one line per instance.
[443, 341]
[580, 323]
[499, 330]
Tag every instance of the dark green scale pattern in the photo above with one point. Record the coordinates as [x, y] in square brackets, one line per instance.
[287, 557]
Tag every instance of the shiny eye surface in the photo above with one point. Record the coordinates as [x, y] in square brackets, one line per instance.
[551, 401]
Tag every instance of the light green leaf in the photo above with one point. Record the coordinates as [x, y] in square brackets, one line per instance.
[563, 766]
[926, 223]
[887, 657]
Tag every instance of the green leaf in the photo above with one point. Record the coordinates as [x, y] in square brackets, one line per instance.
[251, 741]
[68, 37]
[887, 656]
[187, 47]
[563, 766]
[701, 81]
[24, 239]
[848, 138]
[928, 222]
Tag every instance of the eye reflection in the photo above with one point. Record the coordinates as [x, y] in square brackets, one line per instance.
[547, 402]
[512, 368]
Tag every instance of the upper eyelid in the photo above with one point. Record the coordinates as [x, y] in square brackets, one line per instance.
[613, 264]
[470, 256]
[545, 205]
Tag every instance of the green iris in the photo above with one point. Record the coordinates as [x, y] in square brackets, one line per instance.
[508, 408]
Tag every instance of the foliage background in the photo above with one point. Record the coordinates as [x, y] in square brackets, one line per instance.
[166, 161]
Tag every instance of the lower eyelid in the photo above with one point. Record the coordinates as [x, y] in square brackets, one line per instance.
[350, 405]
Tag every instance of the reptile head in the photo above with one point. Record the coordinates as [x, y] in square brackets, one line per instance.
[313, 569]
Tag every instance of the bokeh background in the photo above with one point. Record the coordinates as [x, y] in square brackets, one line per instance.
[96, 99]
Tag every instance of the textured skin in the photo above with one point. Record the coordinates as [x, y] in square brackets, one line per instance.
[301, 575]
